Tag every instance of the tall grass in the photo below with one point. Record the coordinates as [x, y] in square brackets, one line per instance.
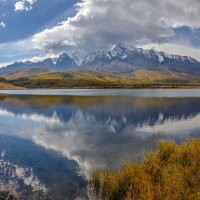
[7, 195]
[171, 172]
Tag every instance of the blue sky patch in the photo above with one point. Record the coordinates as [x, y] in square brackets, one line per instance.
[23, 24]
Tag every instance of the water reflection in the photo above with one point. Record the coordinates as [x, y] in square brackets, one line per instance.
[59, 140]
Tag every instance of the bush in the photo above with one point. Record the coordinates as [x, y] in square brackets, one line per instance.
[171, 172]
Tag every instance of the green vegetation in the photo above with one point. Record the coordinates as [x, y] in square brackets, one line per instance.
[160, 76]
[141, 78]
[27, 72]
[68, 79]
[170, 173]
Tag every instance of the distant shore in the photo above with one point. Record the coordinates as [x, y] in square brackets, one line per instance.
[13, 87]
[9, 86]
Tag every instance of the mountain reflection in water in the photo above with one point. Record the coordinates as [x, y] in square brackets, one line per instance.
[56, 141]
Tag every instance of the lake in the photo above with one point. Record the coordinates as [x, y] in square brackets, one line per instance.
[51, 140]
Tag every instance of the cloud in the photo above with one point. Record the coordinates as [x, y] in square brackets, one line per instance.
[101, 23]
[2, 24]
[90, 149]
[24, 5]
[17, 50]
[183, 126]
[71, 138]
[98, 24]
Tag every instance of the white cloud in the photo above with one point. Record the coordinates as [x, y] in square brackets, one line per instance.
[100, 23]
[32, 117]
[72, 140]
[24, 5]
[2, 24]
[3, 64]
[170, 126]
[16, 50]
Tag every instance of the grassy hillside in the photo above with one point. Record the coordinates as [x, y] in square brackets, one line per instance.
[4, 85]
[26, 73]
[162, 76]
[68, 79]
[85, 78]
[171, 172]
[8, 86]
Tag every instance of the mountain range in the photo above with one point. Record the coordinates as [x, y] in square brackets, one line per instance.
[120, 66]
[119, 60]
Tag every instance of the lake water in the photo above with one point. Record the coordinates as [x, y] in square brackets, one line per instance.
[51, 140]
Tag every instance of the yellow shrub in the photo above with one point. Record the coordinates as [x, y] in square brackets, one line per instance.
[171, 172]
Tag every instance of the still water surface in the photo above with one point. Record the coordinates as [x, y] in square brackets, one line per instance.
[51, 140]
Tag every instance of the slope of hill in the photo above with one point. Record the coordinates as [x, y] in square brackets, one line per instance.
[90, 79]
[27, 72]
[68, 79]
[4, 85]
[7, 86]
[162, 76]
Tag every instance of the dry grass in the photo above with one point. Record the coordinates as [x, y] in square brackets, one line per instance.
[170, 173]
[8, 86]
[141, 78]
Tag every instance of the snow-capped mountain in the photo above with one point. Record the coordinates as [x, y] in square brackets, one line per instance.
[129, 53]
[121, 59]
[61, 63]
[128, 57]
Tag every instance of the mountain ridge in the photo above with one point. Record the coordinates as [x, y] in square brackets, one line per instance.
[120, 60]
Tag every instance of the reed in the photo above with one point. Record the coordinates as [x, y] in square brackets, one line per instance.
[171, 172]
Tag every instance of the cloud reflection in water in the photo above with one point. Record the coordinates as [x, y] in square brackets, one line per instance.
[98, 132]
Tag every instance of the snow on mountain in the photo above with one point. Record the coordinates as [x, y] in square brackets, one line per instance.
[125, 59]
[120, 58]
[77, 56]
[123, 52]
[119, 51]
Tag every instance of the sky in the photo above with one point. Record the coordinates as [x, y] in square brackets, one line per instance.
[32, 29]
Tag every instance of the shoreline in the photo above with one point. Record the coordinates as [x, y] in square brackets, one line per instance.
[110, 87]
